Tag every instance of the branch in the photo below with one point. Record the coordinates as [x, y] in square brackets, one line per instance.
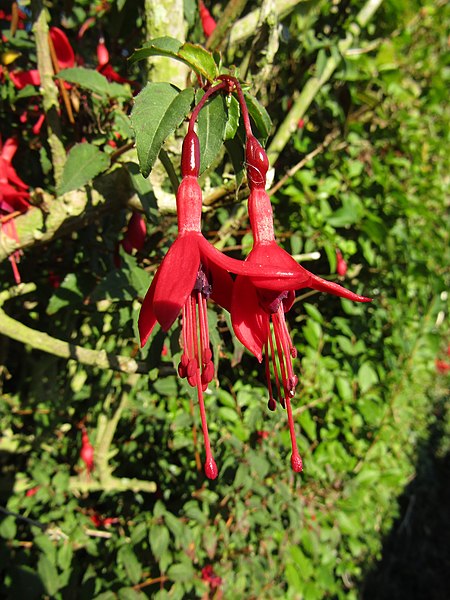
[48, 90]
[245, 27]
[313, 85]
[232, 12]
[55, 217]
[46, 343]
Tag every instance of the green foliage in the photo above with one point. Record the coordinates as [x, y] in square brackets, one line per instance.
[146, 522]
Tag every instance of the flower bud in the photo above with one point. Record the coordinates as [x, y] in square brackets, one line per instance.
[190, 155]
[257, 163]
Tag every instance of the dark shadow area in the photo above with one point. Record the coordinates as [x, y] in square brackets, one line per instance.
[415, 562]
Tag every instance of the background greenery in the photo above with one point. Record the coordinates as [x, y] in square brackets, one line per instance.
[371, 405]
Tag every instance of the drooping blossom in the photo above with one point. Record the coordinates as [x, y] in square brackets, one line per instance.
[442, 366]
[14, 198]
[192, 272]
[341, 264]
[207, 20]
[259, 304]
[209, 576]
[100, 521]
[136, 232]
[87, 451]
[64, 55]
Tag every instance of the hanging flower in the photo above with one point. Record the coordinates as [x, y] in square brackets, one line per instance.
[258, 304]
[341, 265]
[14, 198]
[208, 22]
[136, 233]
[87, 451]
[192, 272]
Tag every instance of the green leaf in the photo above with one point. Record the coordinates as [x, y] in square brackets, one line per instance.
[129, 593]
[308, 425]
[158, 110]
[350, 212]
[259, 115]
[367, 377]
[211, 128]
[159, 540]
[94, 81]
[181, 572]
[48, 574]
[130, 562]
[193, 55]
[67, 294]
[84, 162]
[8, 528]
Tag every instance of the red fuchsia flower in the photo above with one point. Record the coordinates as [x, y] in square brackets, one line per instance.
[258, 304]
[87, 451]
[14, 198]
[63, 50]
[100, 521]
[341, 265]
[64, 54]
[135, 235]
[209, 576]
[442, 366]
[105, 68]
[192, 272]
[208, 22]
[32, 491]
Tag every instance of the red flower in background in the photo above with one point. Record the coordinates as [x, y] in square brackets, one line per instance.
[14, 197]
[208, 22]
[64, 54]
[209, 576]
[135, 235]
[87, 451]
[341, 265]
[442, 366]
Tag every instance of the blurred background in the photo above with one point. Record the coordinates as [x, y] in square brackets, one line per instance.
[102, 494]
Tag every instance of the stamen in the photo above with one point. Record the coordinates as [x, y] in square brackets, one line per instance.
[296, 459]
[271, 404]
[275, 369]
[210, 466]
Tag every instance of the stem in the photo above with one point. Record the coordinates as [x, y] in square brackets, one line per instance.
[314, 84]
[229, 16]
[46, 343]
[245, 27]
[166, 18]
[204, 99]
[48, 90]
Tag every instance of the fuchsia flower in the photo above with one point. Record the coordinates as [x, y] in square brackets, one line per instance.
[135, 235]
[341, 265]
[208, 22]
[192, 272]
[87, 451]
[14, 197]
[64, 53]
[258, 304]
[209, 576]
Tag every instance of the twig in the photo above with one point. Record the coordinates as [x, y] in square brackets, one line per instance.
[314, 84]
[46, 343]
[326, 142]
[232, 12]
[245, 27]
[49, 90]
